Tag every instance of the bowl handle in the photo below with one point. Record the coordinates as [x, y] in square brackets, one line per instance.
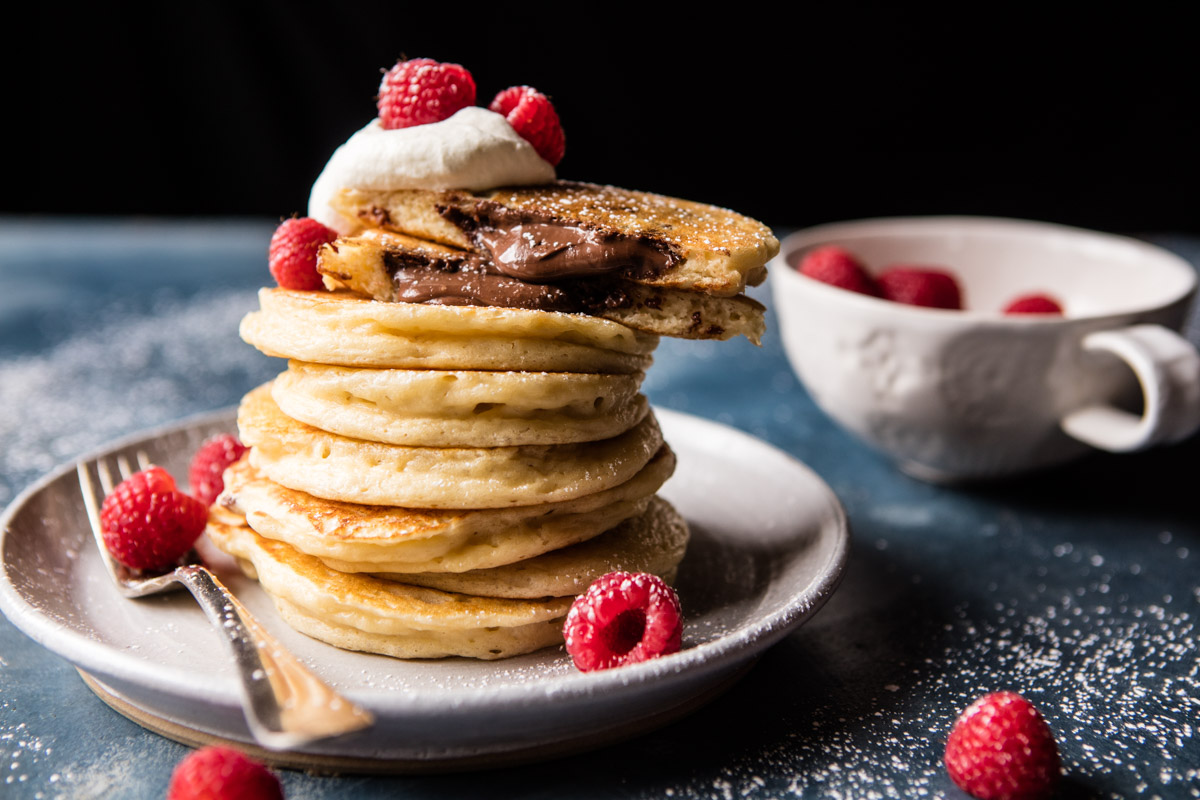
[1168, 368]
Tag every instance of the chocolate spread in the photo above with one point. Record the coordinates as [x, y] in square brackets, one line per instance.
[542, 252]
[524, 261]
[472, 281]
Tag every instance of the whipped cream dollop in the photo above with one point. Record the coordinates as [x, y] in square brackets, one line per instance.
[475, 149]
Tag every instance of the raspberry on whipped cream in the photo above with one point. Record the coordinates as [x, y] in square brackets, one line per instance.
[476, 149]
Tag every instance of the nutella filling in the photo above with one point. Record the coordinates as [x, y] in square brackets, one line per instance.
[540, 249]
[472, 281]
[528, 262]
[541, 252]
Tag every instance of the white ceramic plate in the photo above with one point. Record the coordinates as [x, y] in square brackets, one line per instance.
[768, 548]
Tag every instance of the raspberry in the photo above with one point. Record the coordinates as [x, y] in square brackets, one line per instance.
[421, 91]
[222, 773]
[1002, 749]
[920, 286]
[623, 618]
[1034, 304]
[209, 463]
[149, 524]
[532, 115]
[837, 267]
[292, 256]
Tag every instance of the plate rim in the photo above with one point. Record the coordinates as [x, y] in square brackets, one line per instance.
[747, 642]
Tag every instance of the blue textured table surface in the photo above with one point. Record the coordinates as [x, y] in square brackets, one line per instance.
[1078, 588]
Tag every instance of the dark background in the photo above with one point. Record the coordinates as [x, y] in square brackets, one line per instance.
[816, 112]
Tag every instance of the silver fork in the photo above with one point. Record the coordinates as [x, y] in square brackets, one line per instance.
[285, 704]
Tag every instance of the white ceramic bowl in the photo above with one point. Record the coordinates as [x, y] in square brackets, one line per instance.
[953, 395]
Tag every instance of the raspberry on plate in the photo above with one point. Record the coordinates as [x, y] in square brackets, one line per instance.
[1002, 749]
[623, 618]
[420, 91]
[1034, 304]
[292, 256]
[147, 523]
[920, 286]
[222, 773]
[209, 463]
[838, 267]
[532, 115]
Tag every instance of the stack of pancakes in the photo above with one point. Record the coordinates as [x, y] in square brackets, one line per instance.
[442, 477]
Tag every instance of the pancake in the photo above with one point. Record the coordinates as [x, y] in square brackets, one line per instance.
[430, 408]
[347, 330]
[359, 538]
[366, 265]
[709, 249]
[653, 541]
[488, 644]
[359, 612]
[335, 467]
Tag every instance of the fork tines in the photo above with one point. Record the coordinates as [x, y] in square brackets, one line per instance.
[93, 500]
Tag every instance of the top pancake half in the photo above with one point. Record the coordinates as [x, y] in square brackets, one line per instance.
[682, 244]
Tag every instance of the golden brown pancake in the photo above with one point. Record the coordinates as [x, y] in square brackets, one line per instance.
[359, 612]
[359, 538]
[335, 467]
[716, 251]
[462, 408]
[653, 541]
[359, 263]
[348, 330]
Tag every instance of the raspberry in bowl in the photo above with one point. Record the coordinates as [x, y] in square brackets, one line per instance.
[985, 390]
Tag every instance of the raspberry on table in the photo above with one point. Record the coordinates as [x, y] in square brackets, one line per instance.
[623, 618]
[421, 90]
[222, 773]
[1001, 749]
[209, 463]
[147, 523]
[1034, 304]
[836, 266]
[920, 286]
[532, 115]
[292, 255]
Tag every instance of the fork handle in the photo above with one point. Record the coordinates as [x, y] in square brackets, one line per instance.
[285, 703]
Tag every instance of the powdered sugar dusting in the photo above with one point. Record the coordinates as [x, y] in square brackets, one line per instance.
[32, 766]
[1118, 681]
[139, 370]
